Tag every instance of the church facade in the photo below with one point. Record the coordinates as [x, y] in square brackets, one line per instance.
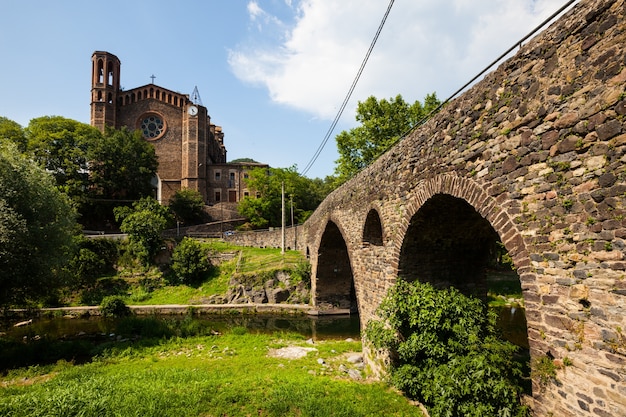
[190, 149]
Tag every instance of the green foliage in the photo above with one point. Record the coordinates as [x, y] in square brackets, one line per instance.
[302, 272]
[13, 132]
[187, 205]
[114, 306]
[122, 166]
[60, 145]
[302, 195]
[446, 352]
[37, 229]
[383, 122]
[95, 258]
[144, 224]
[543, 370]
[103, 287]
[190, 264]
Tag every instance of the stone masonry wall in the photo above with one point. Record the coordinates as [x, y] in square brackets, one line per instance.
[538, 149]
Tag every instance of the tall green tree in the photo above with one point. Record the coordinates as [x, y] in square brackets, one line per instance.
[264, 207]
[37, 230]
[11, 131]
[382, 123]
[60, 145]
[187, 205]
[121, 165]
[144, 223]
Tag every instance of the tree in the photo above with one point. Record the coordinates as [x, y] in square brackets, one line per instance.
[37, 229]
[187, 205]
[382, 124]
[144, 223]
[13, 132]
[190, 264]
[122, 166]
[60, 145]
[266, 209]
[446, 352]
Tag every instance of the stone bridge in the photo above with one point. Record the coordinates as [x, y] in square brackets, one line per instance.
[533, 156]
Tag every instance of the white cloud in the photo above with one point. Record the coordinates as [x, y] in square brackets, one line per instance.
[424, 47]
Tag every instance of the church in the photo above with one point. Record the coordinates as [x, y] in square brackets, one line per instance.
[190, 149]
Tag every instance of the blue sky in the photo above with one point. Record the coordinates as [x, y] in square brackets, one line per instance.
[272, 73]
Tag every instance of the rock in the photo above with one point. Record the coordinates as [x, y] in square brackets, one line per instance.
[278, 295]
[291, 352]
[354, 374]
[355, 358]
[23, 323]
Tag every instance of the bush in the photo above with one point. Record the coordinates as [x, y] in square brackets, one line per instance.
[187, 205]
[114, 307]
[190, 264]
[446, 352]
[101, 288]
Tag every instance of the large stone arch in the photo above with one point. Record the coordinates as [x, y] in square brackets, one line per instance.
[333, 285]
[478, 198]
[459, 261]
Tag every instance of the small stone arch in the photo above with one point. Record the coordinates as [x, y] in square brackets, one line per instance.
[373, 229]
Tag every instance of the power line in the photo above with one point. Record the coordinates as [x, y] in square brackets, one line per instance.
[347, 98]
[495, 61]
[447, 100]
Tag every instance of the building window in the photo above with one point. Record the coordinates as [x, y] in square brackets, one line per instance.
[231, 181]
[245, 175]
[218, 196]
[246, 194]
[152, 126]
[218, 175]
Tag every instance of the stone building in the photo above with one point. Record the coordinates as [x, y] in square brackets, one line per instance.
[190, 148]
[228, 181]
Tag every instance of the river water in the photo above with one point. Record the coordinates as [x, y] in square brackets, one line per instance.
[512, 322]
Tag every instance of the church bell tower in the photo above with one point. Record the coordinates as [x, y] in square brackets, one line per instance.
[105, 85]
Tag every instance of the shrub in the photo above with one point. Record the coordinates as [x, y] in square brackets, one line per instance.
[190, 264]
[187, 205]
[446, 352]
[114, 306]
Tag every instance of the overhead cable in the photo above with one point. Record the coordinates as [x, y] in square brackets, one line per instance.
[348, 95]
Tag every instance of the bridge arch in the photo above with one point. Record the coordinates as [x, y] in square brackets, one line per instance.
[476, 196]
[333, 284]
[450, 234]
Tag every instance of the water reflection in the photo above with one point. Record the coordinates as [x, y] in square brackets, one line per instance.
[318, 328]
[512, 322]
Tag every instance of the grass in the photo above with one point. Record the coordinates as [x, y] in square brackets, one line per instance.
[246, 261]
[224, 375]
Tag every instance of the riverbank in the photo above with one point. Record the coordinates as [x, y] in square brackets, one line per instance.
[180, 309]
[233, 373]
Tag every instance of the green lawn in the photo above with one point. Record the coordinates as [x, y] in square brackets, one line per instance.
[222, 375]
